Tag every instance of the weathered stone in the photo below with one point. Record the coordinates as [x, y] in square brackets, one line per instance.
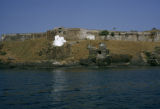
[153, 58]
[85, 34]
[99, 56]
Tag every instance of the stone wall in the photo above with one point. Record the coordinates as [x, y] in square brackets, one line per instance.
[134, 36]
[82, 34]
[22, 36]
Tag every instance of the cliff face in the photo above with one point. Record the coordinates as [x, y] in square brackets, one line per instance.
[82, 34]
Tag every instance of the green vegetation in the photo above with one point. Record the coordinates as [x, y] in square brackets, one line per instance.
[3, 53]
[104, 33]
[112, 34]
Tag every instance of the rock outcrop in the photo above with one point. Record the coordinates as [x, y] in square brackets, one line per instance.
[153, 58]
[97, 56]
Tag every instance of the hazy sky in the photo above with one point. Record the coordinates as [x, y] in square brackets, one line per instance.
[22, 16]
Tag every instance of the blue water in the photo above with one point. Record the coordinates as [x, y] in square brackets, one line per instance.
[80, 88]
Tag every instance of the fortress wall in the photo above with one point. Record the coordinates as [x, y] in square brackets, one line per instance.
[140, 36]
[21, 37]
[81, 34]
[157, 37]
[73, 34]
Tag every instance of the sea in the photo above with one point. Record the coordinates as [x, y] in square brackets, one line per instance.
[80, 88]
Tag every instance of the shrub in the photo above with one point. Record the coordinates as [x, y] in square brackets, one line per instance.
[1, 46]
[3, 53]
[118, 58]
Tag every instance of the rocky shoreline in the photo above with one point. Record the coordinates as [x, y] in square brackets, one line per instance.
[51, 66]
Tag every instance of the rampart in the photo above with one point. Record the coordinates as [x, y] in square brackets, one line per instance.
[84, 34]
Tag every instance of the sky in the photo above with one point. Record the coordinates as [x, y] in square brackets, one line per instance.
[27, 16]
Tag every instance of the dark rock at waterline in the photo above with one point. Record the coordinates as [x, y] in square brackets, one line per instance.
[153, 58]
[116, 58]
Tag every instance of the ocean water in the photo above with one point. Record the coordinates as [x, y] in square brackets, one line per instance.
[80, 88]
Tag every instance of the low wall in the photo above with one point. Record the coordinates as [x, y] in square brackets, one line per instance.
[22, 36]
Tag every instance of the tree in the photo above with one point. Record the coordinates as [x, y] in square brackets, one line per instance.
[112, 34]
[104, 33]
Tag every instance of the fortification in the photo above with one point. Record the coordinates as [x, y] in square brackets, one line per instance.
[84, 34]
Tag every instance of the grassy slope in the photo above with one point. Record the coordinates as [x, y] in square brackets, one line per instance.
[25, 50]
[28, 50]
[115, 47]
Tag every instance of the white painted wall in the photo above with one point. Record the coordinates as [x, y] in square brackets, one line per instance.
[90, 37]
[59, 41]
